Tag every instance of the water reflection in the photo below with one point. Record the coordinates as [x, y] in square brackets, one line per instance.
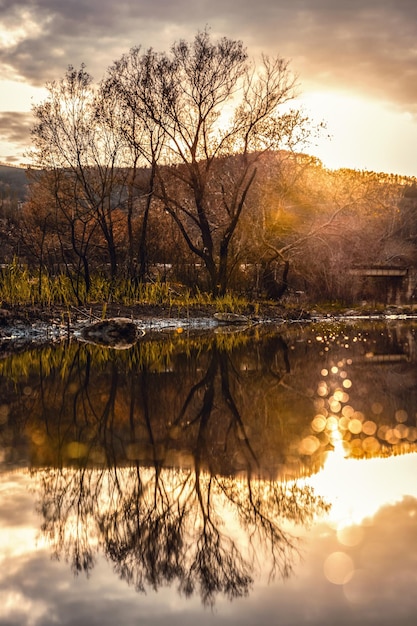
[271, 402]
[218, 403]
[36, 590]
[366, 399]
[189, 461]
[200, 532]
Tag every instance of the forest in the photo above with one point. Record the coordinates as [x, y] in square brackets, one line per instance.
[192, 169]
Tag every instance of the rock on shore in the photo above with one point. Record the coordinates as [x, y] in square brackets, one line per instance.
[115, 332]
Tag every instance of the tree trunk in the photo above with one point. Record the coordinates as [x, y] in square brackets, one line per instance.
[275, 289]
[143, 248]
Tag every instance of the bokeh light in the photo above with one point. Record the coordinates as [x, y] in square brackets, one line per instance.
[338, 568]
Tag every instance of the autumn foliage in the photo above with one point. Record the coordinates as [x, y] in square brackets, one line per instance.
[191, 167]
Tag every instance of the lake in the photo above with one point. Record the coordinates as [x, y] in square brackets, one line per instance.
[260, 476]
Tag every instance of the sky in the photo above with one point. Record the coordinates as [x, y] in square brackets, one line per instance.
[356, 62]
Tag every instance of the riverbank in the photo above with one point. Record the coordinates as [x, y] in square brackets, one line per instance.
[25, 323]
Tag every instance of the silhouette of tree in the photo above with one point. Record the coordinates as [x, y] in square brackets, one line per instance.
[203, 166]
[78, 157]
[161, 524]
[162, 527]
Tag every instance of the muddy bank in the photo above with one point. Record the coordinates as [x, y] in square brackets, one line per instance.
[24, 325]
[69, 319]
[21, 326]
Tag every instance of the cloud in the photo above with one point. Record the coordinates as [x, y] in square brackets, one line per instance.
[366, 48]
[366, 45]
[15, 126]
[15, 137]
[45, 36]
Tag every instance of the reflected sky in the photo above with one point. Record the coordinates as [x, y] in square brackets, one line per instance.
[360, 573]
[201, 472]
[362, 488]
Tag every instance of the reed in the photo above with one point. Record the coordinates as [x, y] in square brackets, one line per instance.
[19, 286]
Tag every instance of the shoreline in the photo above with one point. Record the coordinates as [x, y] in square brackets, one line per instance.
[22, 326]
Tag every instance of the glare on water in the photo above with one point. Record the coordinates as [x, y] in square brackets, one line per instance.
[211, 470]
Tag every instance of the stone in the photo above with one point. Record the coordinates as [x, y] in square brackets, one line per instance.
[231, 318]
[116, 332]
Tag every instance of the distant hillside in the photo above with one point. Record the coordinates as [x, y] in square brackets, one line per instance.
[15, 179]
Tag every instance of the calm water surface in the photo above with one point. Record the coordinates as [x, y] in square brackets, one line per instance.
[262, 477]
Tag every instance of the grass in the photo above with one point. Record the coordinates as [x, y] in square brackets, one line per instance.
[152, 353]
[20, 286]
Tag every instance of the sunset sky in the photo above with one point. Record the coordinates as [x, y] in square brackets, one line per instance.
[356, 61]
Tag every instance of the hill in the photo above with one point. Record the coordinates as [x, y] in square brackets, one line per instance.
[14, 180]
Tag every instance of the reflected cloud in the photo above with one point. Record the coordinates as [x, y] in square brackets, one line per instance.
[363, 572]
[114, 430]
[195, 462]
[204, 534]
[370, 582]
[357, 489]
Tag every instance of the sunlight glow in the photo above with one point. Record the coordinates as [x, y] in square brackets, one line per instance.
[362, 134]
[358, 488]
[18, 96]
[365, 460]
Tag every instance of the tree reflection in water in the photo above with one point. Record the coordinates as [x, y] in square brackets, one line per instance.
[158, 464]
[158, 526]
[166, 457]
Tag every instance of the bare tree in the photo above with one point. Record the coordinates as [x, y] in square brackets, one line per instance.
[71, 140]
[320, 223]
[216, 114]
[127, 87]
